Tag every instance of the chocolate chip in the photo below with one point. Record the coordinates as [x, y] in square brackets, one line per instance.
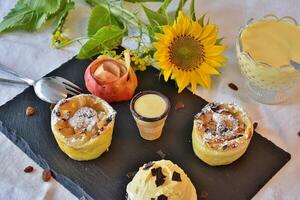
[159, 181]
[224, 147]
[148, 165]
[108, 120]
[161, 153]
[46, 175]
[57, 113]
[176, 176]
[203, 195]
[28, 169]
[131, 174]
[216, 108]
[162, 197]
[153, 171]
[233, 86]
[179, 105]
[160, 177]
[255, 124]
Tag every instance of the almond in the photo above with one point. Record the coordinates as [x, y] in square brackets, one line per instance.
[30, 111]
[28, 169]
[46, 175]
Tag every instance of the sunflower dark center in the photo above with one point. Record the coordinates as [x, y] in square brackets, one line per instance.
[186, 53]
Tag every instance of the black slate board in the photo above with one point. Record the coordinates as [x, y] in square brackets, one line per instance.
[105, 178]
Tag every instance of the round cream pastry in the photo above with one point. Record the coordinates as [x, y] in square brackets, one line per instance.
[82, 126]
[161, 180]
[221, 133]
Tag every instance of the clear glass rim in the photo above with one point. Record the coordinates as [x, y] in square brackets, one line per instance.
[287, 19]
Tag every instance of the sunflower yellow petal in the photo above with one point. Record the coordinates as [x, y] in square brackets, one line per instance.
[195, 30]
[195, 79]
[208, 30]
[167, 72]
[168, 30]
[203, 78]
[184, 81]
[208, 69]
[209, 41]
[213, 63]
[199, 79]
[220, 59]
[215, 50]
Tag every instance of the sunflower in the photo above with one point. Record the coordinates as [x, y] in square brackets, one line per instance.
[187, 52]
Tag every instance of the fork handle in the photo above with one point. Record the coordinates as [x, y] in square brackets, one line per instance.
[16, 75]
[4, 80]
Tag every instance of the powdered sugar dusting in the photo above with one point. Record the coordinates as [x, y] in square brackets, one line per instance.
[220, 126]
[84, 117]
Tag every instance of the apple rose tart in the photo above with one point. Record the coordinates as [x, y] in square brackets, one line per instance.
[82, 126]
[111, 79]
[221, 133]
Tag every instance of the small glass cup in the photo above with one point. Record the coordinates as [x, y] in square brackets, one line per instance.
[150, 128]
[267, 84]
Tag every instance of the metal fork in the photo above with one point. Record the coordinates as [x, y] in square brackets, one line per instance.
[50, 89]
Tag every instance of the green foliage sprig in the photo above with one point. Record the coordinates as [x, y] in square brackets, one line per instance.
[107, 25]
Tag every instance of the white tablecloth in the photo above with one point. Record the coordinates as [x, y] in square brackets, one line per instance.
[31, 55]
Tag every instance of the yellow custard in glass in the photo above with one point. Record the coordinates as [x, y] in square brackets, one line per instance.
[150, 105]
[272, 41]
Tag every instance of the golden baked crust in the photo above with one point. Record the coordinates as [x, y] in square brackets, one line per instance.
[221, 133]
[82, 126]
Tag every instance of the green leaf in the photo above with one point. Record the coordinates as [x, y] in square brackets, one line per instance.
[47, 6]
[62, 14]
[163, 7]
[180, 7]
[139, 1]
[107, 37]
[192, 10]
[29, 15]
[155, 18]
[219, 40]
[201, 20]
[104, 2]
[100, 17]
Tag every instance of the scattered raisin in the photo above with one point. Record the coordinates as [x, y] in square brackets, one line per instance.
[30, 111]
[179, 105]
[131, 174]
[203, 195]
[28, 169]
[255, 124]
[233, 86]
[46, 175]
[161, 153]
